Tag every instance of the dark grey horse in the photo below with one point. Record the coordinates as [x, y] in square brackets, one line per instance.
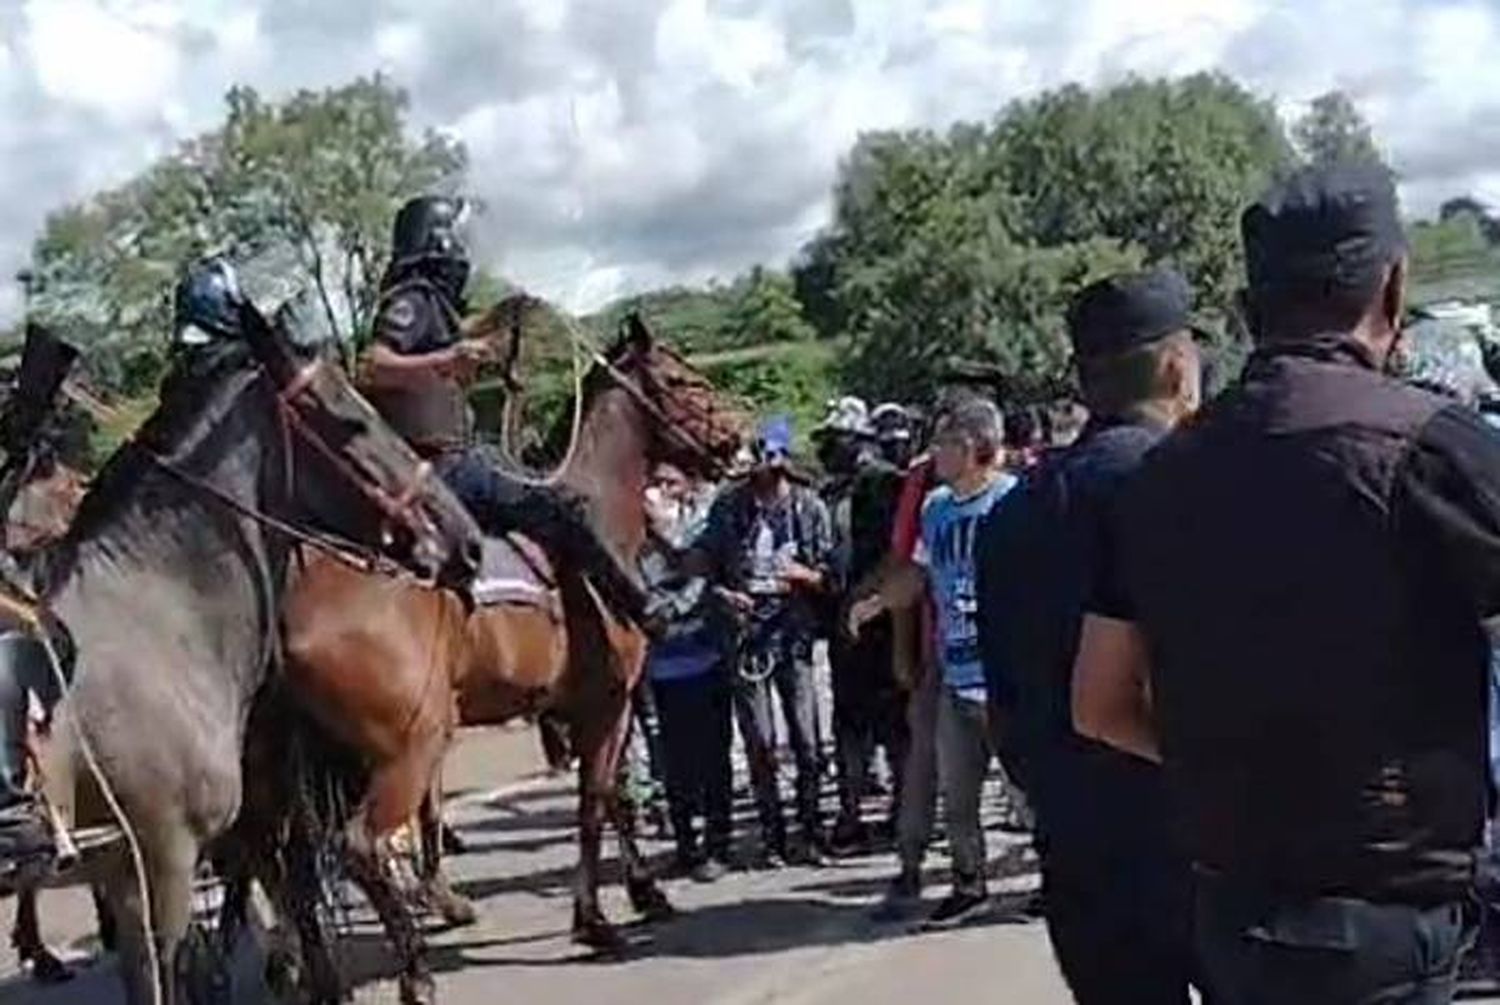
[170, 581]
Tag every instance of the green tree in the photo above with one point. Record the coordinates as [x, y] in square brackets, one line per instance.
[1335, 131]
[695, 319]
[766, 310]
[300, 193]
[971, 243]
[1450, 258]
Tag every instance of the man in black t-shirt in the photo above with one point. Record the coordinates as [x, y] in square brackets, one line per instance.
[1288, 616]
[1117, 888]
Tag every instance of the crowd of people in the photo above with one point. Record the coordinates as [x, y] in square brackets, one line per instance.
[1230, 656]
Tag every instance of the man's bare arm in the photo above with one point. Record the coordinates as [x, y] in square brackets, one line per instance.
[902, 585]
[385, 365]
[1111, 688]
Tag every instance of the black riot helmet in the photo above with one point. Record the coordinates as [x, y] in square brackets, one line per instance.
[426, 239]
[206, 305]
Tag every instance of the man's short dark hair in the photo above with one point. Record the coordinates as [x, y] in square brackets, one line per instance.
[1115, 385]
[1319, 246]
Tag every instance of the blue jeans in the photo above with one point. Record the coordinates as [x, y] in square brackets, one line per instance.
[1326, 951]
[779, 665]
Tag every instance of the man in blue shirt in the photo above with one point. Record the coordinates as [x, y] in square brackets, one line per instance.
[967, 449]
[1116, 886]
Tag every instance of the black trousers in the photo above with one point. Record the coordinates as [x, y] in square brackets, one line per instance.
[869, 711]
[552, 517]
[1328, 950]
[1121, 929]
[696, 732]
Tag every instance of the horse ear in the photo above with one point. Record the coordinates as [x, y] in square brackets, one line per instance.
[637, 335]
[269, 347]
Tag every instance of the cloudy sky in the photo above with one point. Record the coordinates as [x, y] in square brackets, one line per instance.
[622, 144]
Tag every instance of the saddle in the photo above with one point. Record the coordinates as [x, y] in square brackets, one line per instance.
[515, 571]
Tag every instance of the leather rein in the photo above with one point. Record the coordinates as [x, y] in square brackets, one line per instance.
[399, 509]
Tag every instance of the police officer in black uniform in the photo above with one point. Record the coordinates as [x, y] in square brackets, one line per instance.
[419, 369]
[1117, 890]
[25, 665]
[1290, 619]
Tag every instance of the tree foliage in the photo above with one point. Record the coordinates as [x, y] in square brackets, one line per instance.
[1334, 131]
[970, 243]
[766, 310]
[301, 192]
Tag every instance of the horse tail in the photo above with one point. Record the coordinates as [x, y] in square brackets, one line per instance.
[325, 784]
[301, 786]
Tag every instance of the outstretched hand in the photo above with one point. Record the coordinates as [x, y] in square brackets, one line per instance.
[862, 612]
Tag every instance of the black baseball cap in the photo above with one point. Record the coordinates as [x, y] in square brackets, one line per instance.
[1128, 310]
[1327, 227]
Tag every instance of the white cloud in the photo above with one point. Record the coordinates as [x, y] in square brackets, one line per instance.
[620, 144]
[91, 57]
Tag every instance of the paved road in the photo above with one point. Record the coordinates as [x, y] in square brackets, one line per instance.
[795, 936]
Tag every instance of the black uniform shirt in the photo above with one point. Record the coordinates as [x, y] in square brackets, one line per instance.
[1309, 561]
[1037, 554]
[431, 410]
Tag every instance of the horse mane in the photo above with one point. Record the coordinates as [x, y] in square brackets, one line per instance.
[190, 398]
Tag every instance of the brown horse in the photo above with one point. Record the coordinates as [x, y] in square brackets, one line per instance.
[384, 666]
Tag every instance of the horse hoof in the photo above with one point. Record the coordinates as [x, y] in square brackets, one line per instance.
[457, 912]
[418, 991]
[600, 936]
[281, 975]
[649, 902]
[48, 969]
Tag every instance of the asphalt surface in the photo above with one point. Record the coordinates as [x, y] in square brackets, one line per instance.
[796, 935]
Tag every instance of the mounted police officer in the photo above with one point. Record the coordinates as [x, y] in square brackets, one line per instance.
[417, 377]
[25, 666]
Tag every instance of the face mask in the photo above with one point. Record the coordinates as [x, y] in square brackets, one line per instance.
[451, 275]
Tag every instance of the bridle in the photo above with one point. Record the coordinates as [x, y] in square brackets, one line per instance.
[398, 510]
[665, 425]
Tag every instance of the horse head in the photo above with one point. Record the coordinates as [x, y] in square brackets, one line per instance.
[695, 426]
[351, 472]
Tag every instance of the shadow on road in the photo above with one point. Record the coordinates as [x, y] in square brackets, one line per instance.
[747, 928]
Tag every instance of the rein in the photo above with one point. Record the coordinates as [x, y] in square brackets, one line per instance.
[341, 549]
[629, 385]
[399, 508]
[583, 346]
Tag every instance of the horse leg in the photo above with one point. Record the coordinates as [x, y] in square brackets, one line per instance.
[640, 883]
[596, 779]
[365, 861]
[395, 794]
[26, 937]
[456, 911]
[109, 929]
[169, 883]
